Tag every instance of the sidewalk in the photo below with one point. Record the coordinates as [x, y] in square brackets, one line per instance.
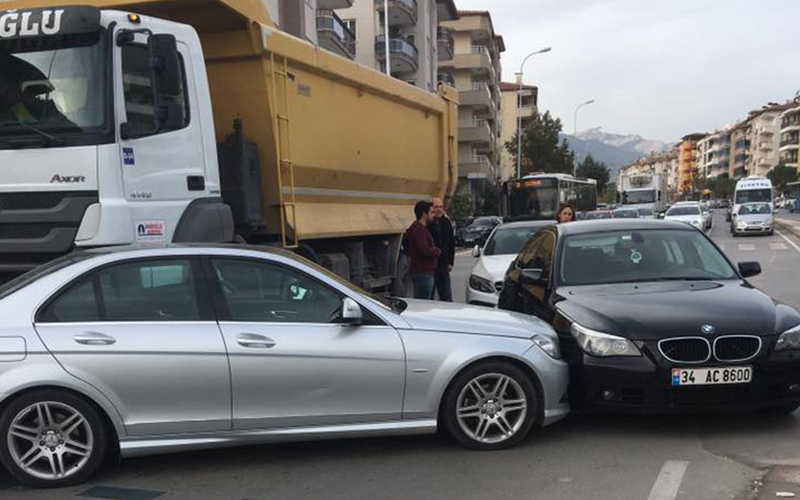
[780, 482]
[790, 222]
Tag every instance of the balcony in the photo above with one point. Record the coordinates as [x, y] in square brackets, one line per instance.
[334, 4]
[739, 172]
[404, 55]
[446, 78]
[401, 12]
[334, 36]
[478, 132]
[477, 59]
[476, 166]
[789, 141]
[478, 96]
[444, 43]
[742, 144]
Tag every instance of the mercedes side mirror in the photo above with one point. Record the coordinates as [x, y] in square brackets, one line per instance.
[533, 277]
[749, 269]
[476, 251]
[351, 313]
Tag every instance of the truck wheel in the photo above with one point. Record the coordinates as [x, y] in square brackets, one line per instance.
[51, 438]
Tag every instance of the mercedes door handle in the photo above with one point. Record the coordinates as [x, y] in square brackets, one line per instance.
[253, 340]
[94, 338]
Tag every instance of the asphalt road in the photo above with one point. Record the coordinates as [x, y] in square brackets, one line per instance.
[582, 458]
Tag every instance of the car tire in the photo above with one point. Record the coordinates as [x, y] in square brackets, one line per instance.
[66, 433]
[487, 421]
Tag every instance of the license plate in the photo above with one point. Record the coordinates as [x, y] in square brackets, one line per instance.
[712, 376]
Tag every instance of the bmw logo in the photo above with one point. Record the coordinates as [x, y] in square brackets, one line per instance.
[708, 329]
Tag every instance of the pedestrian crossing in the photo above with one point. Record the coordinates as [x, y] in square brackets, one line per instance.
[750, 247]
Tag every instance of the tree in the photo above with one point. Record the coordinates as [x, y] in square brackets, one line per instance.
[781, 176]
[611, 193]
[597, 170]
[722, 187]
[490, 203]
[461, 206]
[541, 149]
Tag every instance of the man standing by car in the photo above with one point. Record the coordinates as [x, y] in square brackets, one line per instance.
[444, 238]
[422, 253]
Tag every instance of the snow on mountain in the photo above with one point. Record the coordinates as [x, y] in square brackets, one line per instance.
[615, 150]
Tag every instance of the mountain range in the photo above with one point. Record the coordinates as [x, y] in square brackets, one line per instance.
[615, 150]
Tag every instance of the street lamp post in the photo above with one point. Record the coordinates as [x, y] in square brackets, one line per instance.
[519, 106]
[575, 126]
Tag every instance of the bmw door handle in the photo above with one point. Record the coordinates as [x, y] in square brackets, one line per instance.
[94, 338]
[255, 341]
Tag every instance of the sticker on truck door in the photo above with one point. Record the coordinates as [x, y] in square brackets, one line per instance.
[150, 231]
[128, 157]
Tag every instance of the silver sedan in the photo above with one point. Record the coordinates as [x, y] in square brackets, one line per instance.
[152, 350]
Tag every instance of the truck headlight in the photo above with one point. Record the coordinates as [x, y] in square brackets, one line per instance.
[602, 344]
[480, 284]
[790, 339]
[548, 344]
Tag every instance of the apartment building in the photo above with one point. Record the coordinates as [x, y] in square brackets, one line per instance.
[740, 150]
[789, 144]
[687, 162]
[417, 43]
[664, 164]
[515, 101]
[714, 154]
[765, 134]
[316, 22]
[475, 70]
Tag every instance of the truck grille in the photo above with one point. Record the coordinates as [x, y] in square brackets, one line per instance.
[37, 227]
[685, 349]
[736, 348]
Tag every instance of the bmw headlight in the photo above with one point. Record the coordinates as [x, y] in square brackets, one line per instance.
[790, 339]
[602, 344]
[548, 344]
[480, 284]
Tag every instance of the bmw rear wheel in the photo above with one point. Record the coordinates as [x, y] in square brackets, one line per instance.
[490, 406]
[51, 439]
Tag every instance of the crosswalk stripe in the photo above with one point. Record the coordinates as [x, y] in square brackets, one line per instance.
[743, 247]
[778, 246]
[669, 480]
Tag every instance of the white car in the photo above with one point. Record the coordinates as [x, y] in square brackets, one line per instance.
[501, 248]
[688, 212]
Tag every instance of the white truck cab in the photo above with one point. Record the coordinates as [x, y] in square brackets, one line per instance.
[751, 190]
[106, 135]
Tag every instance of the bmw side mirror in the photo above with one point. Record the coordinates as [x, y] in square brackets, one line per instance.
[351, 313]
[533, 277]
[476, 251]
[749, 269]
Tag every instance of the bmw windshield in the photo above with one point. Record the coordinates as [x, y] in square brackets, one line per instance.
[53, 92]
[639, 256]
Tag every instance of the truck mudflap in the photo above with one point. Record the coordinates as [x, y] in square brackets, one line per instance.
[39, 226]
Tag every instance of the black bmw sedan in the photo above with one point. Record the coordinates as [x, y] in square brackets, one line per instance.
[652, 316]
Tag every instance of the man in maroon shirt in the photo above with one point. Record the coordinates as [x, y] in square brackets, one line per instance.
[422, 253]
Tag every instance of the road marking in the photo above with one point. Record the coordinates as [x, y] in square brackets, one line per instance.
[745, 247]
[721, 246]
[778, 246]
[788, 240]
[669, 480]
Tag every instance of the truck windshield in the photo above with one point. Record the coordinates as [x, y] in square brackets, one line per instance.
[52, 92]
[637, 197]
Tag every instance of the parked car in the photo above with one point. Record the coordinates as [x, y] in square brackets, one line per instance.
[599, 214]
[688, 212]
[500, 249]
[754, 218]
[708, 216]
[651, 315]
[178, 348]
[480, 229]
[625, 213]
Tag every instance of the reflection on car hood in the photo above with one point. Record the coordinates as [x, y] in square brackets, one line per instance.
[461, 318]
[754, 218]
[683, 218]
[648, 311]
[493, 267]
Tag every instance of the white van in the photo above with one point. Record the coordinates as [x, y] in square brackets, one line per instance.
[751, 190]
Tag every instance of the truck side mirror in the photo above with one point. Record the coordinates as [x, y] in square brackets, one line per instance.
[166, 65]
[168, 80]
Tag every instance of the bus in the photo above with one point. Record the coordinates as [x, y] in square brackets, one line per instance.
[792, 195]
[538, 196]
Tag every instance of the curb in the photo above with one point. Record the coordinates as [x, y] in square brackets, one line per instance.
[790, 226]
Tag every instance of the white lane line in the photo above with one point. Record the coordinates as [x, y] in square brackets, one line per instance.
[745, 247]
[788, 240]
[669, 480]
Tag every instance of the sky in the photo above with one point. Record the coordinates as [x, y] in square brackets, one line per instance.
[657, 68]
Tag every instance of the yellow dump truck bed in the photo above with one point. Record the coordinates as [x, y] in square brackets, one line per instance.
[344, 150]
